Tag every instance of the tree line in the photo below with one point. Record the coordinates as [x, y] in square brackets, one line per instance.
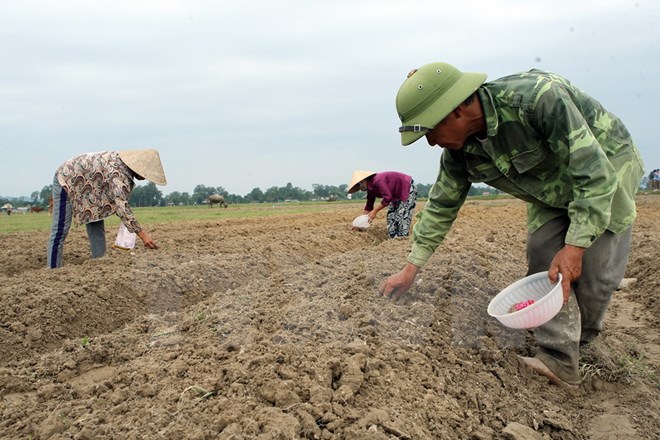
[149, 195]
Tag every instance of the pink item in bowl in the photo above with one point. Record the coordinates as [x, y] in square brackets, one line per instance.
[521, 305]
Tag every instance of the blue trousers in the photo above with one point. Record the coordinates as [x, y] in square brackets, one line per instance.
[61, 223]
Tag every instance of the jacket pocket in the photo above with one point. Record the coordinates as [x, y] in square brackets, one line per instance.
[532, 158]
[482, 171]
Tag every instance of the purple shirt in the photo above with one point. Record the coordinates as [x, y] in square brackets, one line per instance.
[390, 186]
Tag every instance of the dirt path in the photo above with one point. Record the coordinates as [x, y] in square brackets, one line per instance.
[271, 328]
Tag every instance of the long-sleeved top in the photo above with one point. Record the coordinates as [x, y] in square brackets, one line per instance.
[98, 185]
[390, 186]
[549, 144]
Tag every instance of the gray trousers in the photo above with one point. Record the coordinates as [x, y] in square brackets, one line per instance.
[581, 319]
[61, 223]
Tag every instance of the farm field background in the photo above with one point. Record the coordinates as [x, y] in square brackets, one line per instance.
[19, 222]
[264, 322]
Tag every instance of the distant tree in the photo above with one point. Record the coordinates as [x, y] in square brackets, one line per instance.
[321, 191]
[272, 194]
[256, 195]
[423, 190]
[287, 192]
[325, 191]
[173, 198]
[146, 195]
[480, 190]
[290, 192]
[45, 193]
[359, 195]
[233, 199]
[201, 193]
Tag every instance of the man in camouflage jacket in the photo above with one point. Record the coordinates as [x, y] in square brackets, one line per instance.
[539, 138]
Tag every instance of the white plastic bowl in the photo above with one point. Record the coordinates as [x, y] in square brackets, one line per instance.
[548, 300]
[361, 222]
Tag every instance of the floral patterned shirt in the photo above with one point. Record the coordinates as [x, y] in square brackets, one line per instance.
[98, 185]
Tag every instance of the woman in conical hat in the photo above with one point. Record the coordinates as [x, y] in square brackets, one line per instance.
[397, 192]
[92, 186]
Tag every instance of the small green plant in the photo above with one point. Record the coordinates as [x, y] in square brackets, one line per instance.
[66, 421]
[85, 341]
[636, 367]
[620, 361]
[200, 316]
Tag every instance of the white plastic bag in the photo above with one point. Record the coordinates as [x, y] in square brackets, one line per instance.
[125, 239]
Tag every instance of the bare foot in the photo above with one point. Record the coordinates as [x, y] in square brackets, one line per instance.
[539, 367]
[626, 283]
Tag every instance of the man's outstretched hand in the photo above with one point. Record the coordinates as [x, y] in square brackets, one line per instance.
[399, 283]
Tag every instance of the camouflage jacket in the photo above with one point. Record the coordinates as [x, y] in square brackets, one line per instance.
[549, 144]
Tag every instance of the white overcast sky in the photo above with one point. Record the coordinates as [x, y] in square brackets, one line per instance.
[260, 93]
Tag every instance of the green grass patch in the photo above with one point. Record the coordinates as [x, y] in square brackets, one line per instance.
[617, 358]
[33, 222]
[28, 222]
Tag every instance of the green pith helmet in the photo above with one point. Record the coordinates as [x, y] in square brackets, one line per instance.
[429, 94]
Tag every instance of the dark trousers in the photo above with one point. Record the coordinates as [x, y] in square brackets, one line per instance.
[60, 225]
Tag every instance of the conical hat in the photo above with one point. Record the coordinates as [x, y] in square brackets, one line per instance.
[358, 176]
[146, 163]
